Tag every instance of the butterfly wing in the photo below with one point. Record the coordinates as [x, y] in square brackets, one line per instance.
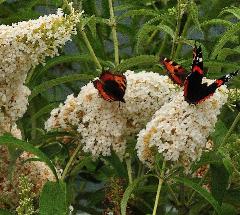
[175, 71]
[193, 83]
[100, 87]
[197, 63]
[207, 91]
[121, 81]
[112, 87]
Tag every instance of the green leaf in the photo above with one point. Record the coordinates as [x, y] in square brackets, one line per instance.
[219, 133]
[207, 158]
[53, 200]
[216, 22]
[228, 165]
[196, 208]
[1, 1]
[229, 209]
[117, 165]
[5, 212]
[128, 192]
[219, 181]
[146, 29]
[235, 28]
[139, 12]
[233, 10]
[136, 61]
[76, 169]
[52, 83]
[193, 9]
[205, 194]
[59, 60]
[9, 140]
[45, 110]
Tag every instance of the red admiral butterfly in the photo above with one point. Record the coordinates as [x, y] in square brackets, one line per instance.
[194, 91]
[111, 87]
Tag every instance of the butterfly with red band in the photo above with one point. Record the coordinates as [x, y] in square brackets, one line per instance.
[111, 86]
[195, 91]
[175, 71]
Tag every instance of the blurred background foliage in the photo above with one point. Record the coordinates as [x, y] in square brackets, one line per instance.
[146, 29]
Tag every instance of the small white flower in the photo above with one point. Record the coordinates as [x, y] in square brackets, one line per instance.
[104, 126]
[179, 131]
[24, 45]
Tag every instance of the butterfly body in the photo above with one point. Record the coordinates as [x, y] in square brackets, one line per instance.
[111, 87]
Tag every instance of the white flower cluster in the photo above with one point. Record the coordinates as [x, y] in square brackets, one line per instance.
[37, 172]
[23, 46]
[179, 131]
[104, 126]
[146, 92]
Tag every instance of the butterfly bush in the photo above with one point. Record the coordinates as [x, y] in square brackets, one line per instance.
[23, 46]
[38, 173]
[179, 131]
[104, 126]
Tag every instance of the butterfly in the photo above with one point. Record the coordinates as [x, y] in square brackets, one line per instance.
[111, 86]
[175, 71]
[195, 91]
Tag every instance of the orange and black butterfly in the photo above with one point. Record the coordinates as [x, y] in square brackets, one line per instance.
[111, 86]
[175, 71]
[195, 91]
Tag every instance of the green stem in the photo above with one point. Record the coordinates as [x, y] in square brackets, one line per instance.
[184, 32]
[236, 120]
[173, 194]
[160, 182]
[181, 210]
[177, 28]
[90, 49]
[80, 29]
[65, 171]
[129, 170]
[33, 122]
[114, 32]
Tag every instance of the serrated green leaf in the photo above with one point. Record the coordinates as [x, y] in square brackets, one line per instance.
[58, 60]
[139, 12]
[225, 52]
[146, 29]
[57, 81]
[9, 140]
[216, 22]
[205, 194]
[53, 200]
[136, 61]
[233, 10]
[235, 28]
[193, 9]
